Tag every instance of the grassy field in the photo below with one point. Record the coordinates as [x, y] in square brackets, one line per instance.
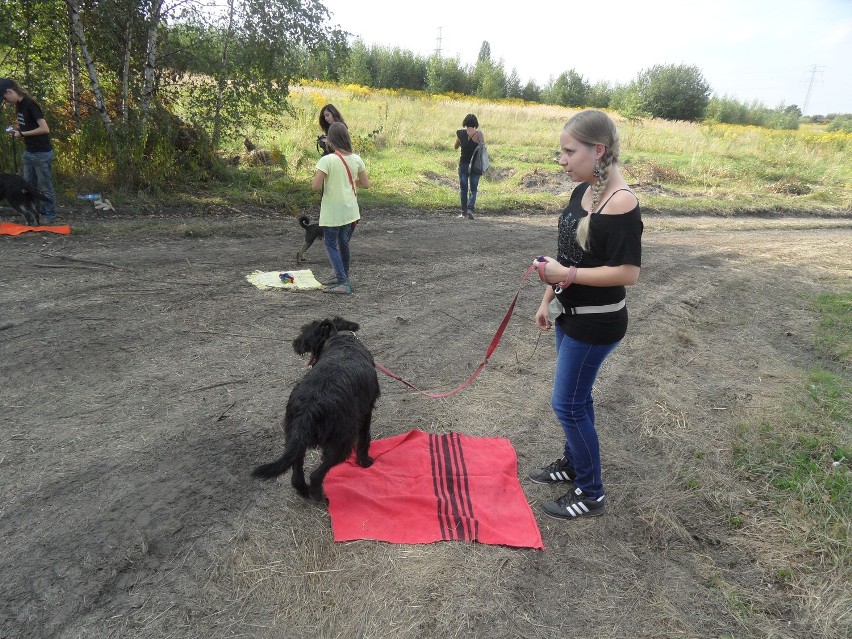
[679, 167]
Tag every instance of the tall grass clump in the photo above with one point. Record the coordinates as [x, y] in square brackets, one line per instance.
[165, 154]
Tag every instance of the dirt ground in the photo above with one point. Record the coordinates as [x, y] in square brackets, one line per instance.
[143, 378]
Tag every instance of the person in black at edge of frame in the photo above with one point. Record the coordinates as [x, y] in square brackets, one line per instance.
[31, 126]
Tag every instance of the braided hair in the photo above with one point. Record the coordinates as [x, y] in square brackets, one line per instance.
[595, 127]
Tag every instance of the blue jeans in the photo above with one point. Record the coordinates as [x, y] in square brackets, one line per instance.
[464, 178]
[577, 365]
[37, 171]
[336, 239]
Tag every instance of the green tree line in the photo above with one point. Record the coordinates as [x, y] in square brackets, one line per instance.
[675, 92]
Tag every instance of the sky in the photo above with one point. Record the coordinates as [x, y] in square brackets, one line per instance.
[770, 51]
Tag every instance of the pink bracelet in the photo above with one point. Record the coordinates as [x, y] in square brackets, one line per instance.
[572, 273]
[540, 265]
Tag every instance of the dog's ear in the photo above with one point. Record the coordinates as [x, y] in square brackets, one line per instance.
[344, 325]
[313, 336]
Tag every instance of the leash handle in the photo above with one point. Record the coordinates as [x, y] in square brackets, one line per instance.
[491, 348]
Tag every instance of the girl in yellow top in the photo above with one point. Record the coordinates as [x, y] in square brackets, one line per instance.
[337, 176]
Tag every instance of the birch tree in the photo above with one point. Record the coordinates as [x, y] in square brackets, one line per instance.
[94, 81]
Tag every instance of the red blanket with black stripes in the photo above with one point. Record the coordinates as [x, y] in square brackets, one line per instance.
[424, 488]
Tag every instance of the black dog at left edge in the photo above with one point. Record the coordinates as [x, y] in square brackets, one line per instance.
[21, 196]
[330, 408]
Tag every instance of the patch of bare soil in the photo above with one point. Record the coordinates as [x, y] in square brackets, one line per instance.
[143, 378]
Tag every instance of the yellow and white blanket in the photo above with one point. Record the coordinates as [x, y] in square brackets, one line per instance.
[296, 280]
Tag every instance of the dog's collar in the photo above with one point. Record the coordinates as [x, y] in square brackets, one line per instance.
[313, 360]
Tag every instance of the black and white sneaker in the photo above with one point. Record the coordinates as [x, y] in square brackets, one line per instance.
[574, 505]
[559, 471]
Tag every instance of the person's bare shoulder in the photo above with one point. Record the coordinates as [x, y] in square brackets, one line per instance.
[621, 202]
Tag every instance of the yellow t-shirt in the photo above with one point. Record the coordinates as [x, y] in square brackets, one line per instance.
[339, 202]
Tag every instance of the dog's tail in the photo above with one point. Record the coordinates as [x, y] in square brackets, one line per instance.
[279, 467]
[304, 221]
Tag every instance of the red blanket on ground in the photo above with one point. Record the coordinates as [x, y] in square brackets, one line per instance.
[423, 488]
[10, 228]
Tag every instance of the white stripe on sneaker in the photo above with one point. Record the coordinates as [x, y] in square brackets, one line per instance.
[560, 476]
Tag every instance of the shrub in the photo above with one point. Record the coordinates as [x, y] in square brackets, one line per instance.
[673, 92]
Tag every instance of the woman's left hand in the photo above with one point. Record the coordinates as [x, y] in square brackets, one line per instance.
[540, 263]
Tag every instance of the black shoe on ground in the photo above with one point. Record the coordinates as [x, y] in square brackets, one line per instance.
[468, 214]
[574, 505]
[463, 214]
[559, 471]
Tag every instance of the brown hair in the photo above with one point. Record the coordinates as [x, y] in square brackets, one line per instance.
[595, 127]
[9, 83]
[338, 137]
[334, 113]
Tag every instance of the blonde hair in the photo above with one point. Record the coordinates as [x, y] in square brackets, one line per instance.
[595, 127]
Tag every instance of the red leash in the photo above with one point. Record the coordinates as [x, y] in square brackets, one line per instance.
[496, 340]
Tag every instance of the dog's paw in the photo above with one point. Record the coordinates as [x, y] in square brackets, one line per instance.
[365, 462]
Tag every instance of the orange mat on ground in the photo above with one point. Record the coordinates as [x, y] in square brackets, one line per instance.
[424, 488]
[8, 228]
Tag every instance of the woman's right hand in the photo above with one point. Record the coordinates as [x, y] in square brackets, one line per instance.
[541, 320]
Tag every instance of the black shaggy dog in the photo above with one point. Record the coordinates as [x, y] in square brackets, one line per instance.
[331, 407]
[312, 232]
[21, 196]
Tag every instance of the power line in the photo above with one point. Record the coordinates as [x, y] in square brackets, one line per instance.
[814, 70]
[438, 45]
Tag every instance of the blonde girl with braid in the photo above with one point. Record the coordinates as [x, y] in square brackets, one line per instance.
[599, 251]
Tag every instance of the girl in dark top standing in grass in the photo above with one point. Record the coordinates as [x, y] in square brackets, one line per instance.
[599, 253]
[328, 115]
[468, 138]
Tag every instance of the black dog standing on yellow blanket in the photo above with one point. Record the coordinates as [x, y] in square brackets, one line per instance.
[312, 233]
[21, 196]
[331, 407]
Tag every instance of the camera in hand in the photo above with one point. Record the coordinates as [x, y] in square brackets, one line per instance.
[322, 147]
